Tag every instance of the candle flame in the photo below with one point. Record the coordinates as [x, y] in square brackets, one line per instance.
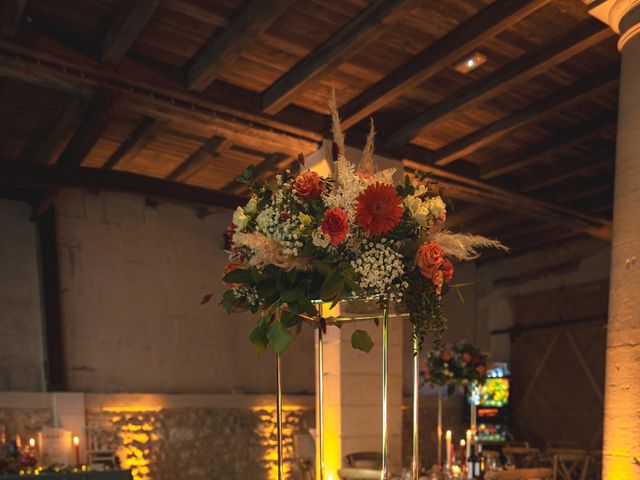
[32, 442]
[76, 440]
[448, 434]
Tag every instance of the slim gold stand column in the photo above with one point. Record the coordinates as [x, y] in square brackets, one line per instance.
[415, 463]
[385, 401]
[439, 431]
[320, 427]
[279, 415]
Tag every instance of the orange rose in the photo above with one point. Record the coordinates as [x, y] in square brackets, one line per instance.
[308, 185]
[231, 266]
[428, 258]
[446, 356]
[366, 176]
[437, 278]
[481, 369]
[466, 356]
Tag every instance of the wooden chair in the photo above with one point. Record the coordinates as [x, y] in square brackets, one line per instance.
[521, 474]
[522, 457]
[358, 474]
[570, 464]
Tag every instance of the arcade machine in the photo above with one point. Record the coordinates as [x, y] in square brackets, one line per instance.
[492, 406]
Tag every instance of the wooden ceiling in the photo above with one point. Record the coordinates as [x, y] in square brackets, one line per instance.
[174, 98]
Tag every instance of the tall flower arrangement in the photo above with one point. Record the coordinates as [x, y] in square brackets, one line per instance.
[353, 234]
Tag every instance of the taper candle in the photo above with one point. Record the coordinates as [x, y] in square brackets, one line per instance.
[449, 448]
[76, 444]
[468, 452]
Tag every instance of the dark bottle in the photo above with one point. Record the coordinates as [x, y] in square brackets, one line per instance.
[481, 463]
[472, 463]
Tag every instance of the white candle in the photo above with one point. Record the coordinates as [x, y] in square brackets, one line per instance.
[468, 451]
[449, 448]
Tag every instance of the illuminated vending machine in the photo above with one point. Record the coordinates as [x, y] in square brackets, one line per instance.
[492, 405]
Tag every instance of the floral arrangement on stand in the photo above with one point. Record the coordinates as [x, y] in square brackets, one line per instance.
[357, 233]
[454, 365]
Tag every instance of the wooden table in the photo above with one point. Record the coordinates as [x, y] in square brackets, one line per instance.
[110, 475]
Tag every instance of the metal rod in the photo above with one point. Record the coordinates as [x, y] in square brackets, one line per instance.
[279, 415]
[439, 432]
[320, 427]
[415, 464]
[385, 400]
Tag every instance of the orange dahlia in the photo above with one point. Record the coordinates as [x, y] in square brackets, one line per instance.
[379, 208]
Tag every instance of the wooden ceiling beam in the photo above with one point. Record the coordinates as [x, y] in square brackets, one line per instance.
[249, 24]
[580, 166]
[327, 57]
[95, 119]
[530, 155]
[60, 135]
[565, 98]
[584, 36]
[264, 169]
[133, 17]
[10, 16]
[213, 148]
[137, 141]
[483, 26]
[14, 177]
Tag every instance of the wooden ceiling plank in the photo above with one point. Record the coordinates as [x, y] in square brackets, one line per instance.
[10, 16]
[15, 177]
[137, 141]
[528, 156]
[200, 158]
[485, 25]
[261, 170]
[132, 19]
[95, 119]
[594, 161]
[250, 23]
[327, 57]
[60, 135]
[544, 108]
[582, 37]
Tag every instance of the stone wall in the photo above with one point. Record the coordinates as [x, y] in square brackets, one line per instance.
[21, 359]
[201, 443]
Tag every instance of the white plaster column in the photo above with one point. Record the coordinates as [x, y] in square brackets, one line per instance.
[621, 455]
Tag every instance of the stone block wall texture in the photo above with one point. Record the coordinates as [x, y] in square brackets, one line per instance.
[21, 358]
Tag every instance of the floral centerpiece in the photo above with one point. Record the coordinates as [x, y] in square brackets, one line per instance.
[357, 233]
[454, 365]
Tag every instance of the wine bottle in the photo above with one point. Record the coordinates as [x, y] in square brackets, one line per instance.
[471, 463]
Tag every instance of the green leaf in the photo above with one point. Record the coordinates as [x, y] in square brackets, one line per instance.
[279, 338]
[460, 296]
[292, 296]
[239, 275]
[258, 339]
[361, 341]
[323, 267]
[331, 285]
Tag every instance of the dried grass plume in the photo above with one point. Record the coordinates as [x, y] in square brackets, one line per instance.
[464, 246]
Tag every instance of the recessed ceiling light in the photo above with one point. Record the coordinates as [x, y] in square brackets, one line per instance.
[471, 62]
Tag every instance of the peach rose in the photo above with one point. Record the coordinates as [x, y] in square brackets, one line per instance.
[437, 278]
[428, 258]
[308, 185]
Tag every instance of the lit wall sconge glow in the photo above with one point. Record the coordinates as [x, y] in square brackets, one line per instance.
[471, 62]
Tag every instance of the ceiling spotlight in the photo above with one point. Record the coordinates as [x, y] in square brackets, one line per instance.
[471, 62]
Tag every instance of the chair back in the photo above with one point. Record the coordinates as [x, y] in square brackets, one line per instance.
[522, 474]
[522, 457]
[570, 464]
[367, 460]
[358, 474]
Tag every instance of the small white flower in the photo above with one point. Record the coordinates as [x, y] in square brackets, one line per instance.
[319, 239]
[240, 219]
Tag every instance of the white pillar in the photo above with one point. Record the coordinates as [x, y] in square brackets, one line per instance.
[621, 449]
